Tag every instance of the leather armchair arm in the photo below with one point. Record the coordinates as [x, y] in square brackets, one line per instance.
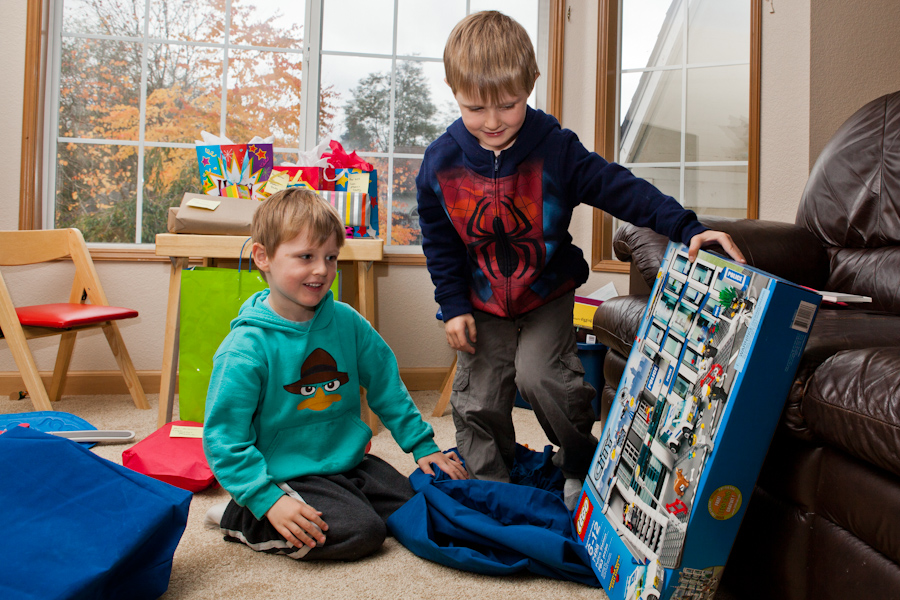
[783, 249]
[616, 322]
[851, 403]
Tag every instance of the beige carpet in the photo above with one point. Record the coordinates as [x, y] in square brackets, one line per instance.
[205, 566]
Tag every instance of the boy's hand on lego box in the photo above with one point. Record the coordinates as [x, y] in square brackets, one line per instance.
[298, 522]
[448, 463]
[460, 330]
[710, 237]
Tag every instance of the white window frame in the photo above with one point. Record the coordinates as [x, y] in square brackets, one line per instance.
[312, 57]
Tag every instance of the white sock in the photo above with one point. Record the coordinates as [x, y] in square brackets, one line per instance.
[572, 492]
[213, 519]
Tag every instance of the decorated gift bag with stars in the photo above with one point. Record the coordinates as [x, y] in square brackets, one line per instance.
[234, 170]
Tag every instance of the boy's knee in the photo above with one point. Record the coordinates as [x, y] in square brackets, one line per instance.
[367, 538]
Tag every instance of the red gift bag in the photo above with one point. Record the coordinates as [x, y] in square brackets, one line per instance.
[176, 460]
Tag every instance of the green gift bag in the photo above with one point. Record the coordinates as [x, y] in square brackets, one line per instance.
[210, 300]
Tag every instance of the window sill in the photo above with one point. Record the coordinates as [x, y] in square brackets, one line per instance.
[147, 254]
[611, 266]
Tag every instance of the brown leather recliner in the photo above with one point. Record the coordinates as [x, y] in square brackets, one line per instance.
[824, 519]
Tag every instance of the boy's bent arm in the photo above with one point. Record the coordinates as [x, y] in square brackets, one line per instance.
[387, 396]
[235, 387]
[614, 189]
[445, 252]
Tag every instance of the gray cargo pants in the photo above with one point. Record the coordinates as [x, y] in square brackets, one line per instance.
[537, 354]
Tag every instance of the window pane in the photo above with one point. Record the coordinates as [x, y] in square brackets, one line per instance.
[87, 16]
[405, 229]
[285, 157]
[362, 92]
[270, 23]
[184, 86]
[719, 191]
[651, 117]
[168, 174]
[189, 20]
[417, 120]
[666, 179]
[264, 96]
[423, 27]
[358, 26]
[651, 33]
[96, 190]
[719, 31]
[718, 113]
[99, 89]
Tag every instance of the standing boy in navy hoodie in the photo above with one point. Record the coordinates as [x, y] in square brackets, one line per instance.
[283, 433]
[495, 195]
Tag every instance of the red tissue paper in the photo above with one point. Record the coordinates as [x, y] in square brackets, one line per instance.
[339, 159]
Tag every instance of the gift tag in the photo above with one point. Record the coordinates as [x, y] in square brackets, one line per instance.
[185, 431]
[207, 204]
[277, 183]
[358, 183]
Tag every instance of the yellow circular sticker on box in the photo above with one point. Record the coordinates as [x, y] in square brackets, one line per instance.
[724, 502]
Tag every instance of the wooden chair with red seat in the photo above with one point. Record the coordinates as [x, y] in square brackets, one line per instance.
[18, 324]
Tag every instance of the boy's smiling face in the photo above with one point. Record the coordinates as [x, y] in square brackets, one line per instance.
[299, 275]
[494, 125]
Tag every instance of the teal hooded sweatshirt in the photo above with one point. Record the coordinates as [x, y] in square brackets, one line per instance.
[284, 401]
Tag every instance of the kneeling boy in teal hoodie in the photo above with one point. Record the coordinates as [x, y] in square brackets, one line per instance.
[283, 433]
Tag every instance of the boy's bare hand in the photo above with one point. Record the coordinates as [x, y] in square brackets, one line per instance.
[457, 330]
[298, 522]
[721, 238]
[448, 463]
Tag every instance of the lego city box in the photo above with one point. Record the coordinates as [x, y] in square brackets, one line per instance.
[703, 389]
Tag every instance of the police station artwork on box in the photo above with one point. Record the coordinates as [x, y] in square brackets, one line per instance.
[664, 427]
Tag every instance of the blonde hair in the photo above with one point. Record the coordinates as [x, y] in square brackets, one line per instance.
[286, 214]
[489, 55]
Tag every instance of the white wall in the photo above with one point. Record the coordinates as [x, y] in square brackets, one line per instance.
[784, 120]
[12, 73]
[854, 54]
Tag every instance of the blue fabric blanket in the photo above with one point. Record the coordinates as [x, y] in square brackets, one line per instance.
[79, 527]
[496, 528]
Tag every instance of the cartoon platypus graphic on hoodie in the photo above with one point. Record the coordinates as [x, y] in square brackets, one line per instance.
[319, 381]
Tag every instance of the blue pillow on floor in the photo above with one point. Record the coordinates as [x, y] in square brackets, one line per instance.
[78, 526]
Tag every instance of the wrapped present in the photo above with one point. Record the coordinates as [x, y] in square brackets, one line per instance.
[354, 208]
[356, 181]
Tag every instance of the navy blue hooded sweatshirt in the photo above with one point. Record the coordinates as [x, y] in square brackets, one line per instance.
[496, 228]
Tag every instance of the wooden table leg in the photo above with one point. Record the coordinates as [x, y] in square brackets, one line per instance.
[365, 277]
[170, 344]
[365, 304]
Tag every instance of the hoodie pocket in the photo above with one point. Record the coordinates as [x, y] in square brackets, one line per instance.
[331, 446]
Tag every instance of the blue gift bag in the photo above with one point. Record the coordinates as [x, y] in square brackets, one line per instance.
[78, 526]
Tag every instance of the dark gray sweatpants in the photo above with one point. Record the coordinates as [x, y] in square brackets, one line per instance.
[536, 353]
[355, 505]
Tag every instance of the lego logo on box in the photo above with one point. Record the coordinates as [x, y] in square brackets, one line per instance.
[583, 516]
